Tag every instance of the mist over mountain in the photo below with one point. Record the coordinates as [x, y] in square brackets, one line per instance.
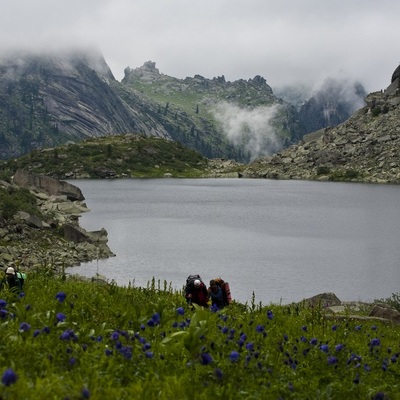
[49, 98]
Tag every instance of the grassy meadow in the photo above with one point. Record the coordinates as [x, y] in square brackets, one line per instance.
[65, 338]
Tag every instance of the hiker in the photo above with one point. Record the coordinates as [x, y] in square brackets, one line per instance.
[11, 281]
[217, 295]
[197, 294]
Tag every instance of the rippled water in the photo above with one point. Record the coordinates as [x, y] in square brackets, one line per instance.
[282, 240]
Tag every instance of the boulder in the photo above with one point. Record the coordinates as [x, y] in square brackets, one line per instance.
[384, 311]
[323, 300]
[48, 185]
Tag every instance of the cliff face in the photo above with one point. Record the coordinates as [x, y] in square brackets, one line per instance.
[48, 99]
[364, 148]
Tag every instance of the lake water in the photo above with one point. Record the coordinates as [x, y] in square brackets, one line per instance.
[282, 240]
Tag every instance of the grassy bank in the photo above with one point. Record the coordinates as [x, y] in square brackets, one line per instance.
[70, 339]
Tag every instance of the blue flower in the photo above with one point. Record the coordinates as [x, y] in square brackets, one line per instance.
[339, 347]
[60, 296]
[332, 360]
[114, 335]
[9, 377]
[374, 342]
[107, 352]
[218, 373]
[260, 328]
[205, 359]
[36, 333]
[270, 314]
[250, 346]
[24, 327]
[234, 356]
[324, 348]
[313, 341]
[156, 318]
[224, 330]
[304, 328]
[69, 334]
[214, 308]
[358, 328]
[3, 313]
[46, 329]
[334, 327]
[60, 317]
[85, 393]
[3, 303]
[149, 354]
[180, 311]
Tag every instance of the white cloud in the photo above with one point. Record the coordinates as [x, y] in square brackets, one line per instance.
[284, 41]
[249, 129]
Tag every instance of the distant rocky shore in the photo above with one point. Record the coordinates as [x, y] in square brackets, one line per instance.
[55, 240]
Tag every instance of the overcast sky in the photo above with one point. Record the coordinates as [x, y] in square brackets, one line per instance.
[284, 41]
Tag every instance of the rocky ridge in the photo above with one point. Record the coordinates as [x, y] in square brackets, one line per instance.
[55, 240]
[364, 148]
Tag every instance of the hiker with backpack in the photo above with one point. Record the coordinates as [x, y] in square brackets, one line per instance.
[196, 291]
[13, 280]
[219, 293]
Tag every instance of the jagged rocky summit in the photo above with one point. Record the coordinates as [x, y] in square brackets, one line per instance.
[55, 240]
[364, 148]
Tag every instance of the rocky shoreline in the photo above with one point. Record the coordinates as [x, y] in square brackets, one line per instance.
[55, 240]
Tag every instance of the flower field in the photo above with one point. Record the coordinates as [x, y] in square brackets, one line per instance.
[71, 339]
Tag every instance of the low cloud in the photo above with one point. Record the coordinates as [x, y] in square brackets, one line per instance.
[249, 129]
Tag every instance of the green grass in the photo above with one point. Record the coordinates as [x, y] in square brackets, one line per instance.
[110, 342]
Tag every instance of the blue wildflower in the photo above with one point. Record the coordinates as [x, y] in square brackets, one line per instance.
[46, 329]
[358, 328]
[313, 341]
[142, 327]
[85, 393]
[149, 354]
[72, 361]
[367, 368]
[61, 317]
[250, 346]
[224, 330]
[304, 328]
[60, 296]
[175, 324]
[180, 311]
[21, 295]
[218, 373]
[260, 328]
[205, 359]
[324, 348]
[270, 314]
[379, 396]
[3, 313]
[24, 327]
[36, 333]
[108, 352]
[234, 356]
[214, 308]
[69, 334]
[114, 336]
[3, 303]
[28, 307]
[339, 347]
[374, 342]
[334, 327]
[9, 377]
[373, 327]
[332, 360]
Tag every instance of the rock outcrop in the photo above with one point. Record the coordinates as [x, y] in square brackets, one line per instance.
[54, 238]
[365, 148]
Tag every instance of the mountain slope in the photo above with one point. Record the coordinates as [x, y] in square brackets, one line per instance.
[364, 148]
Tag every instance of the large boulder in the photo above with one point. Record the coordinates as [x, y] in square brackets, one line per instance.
[48, 185]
